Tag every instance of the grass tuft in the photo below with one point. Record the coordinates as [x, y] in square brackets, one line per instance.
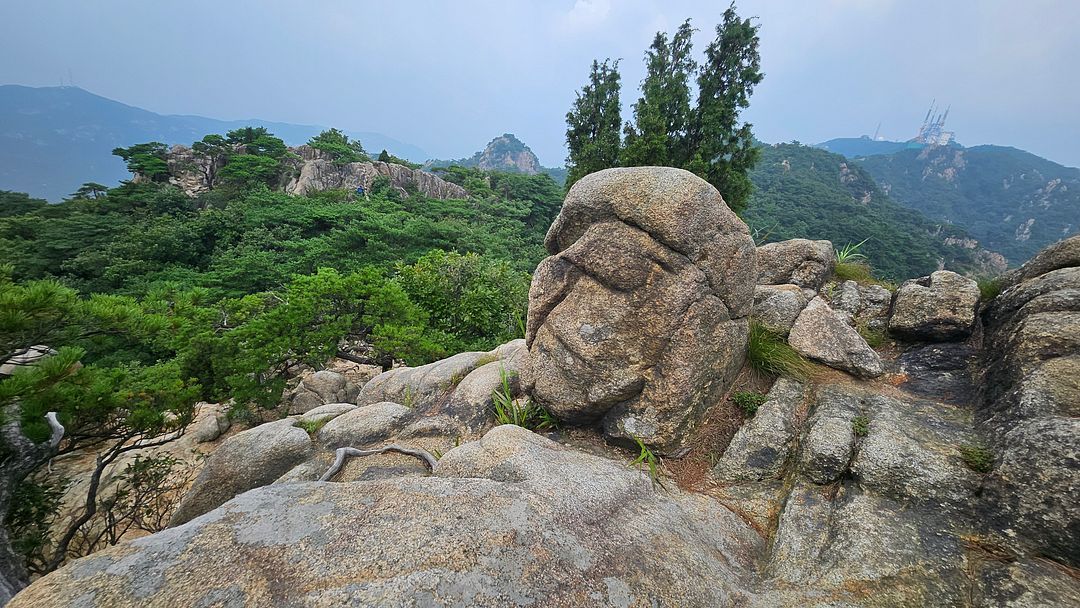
[528, 415]
[649, 461]
[977, 457]
[850, 253]
[769, 353]
[749, 402]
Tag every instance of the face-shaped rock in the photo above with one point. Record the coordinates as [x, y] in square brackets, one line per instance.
[638, 317]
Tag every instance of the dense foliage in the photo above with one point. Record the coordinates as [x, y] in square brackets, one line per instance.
[150, 300]
[804, 192]
[706, 139]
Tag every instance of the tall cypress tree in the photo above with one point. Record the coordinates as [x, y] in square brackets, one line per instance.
[592, 125]
[662, 114]
[722, 150]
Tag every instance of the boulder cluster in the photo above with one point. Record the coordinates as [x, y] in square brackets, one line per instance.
[941, 470]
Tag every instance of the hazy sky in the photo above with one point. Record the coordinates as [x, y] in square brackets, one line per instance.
[449, 76]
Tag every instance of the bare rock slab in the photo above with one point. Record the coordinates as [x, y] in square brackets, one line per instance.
[639, 317]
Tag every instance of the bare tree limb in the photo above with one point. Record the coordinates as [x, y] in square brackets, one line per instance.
[342, 453]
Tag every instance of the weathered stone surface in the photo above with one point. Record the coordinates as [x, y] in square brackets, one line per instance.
[1033, 491]
[830, 441]
[459, 386]
[911, 452]
[867, 304]
[317, 172]
[1024, 583]
[639, 316]
[762, 445]
[802, 262]
[823, 335]
[1029, 405]
[326, 412]
[364, 425]
[249, 459]
[942, 371]
[320, 388]
[883, 552]
[1063, 254]
[777, 306]
[498, 526]
[938, 308]
[211, 421]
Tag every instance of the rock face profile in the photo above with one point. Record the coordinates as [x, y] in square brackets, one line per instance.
[639, 317]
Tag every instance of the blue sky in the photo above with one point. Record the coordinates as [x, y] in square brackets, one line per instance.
[449, 76]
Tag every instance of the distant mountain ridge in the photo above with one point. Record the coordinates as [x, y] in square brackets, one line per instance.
[806, 192]
[52, 139]
[861, 146]
[1013, 201]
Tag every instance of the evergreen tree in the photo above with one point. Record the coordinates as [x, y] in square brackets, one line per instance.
[592, 132]
[662, 114]
[722, 150]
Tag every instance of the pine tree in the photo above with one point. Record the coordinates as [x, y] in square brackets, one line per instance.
[662, 114]
[723, 151]
[592, 132]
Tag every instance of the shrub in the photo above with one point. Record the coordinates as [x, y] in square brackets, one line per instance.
[749, 401]
[770, 354]
[977, 457]
[989, 288]
[529, 415]
[861, 425]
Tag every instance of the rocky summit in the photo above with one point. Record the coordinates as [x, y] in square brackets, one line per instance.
[929, 457]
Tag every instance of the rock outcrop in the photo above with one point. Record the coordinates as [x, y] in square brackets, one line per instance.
[1031, 403]
[937, 308]
[313, 171]
[510, 520]
[800, 262]
[433, 406]
[821, 334]
[639, 317]
[316, 171]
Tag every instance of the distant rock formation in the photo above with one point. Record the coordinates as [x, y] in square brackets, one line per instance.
[504, 153]
[317, 172]
[314, 171]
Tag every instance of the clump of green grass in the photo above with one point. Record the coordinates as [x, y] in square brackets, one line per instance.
[312, 426]
[769, 353]
[874, 337]
[861, 425]
[977, 457]
[749, 402]
[989, 288]
[850, 253]
[529, 415]
[649, 461]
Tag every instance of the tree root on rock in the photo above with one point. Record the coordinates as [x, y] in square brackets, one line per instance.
[342, 453]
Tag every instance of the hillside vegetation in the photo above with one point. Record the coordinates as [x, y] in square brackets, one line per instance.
[1014, 202]
[805, 192]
